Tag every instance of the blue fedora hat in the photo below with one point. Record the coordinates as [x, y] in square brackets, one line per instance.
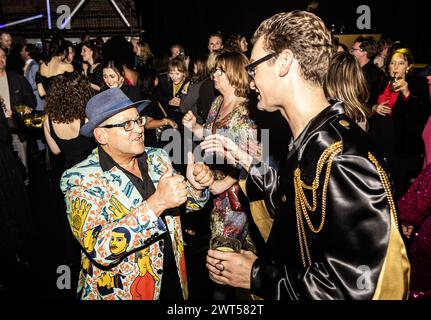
[105, 105]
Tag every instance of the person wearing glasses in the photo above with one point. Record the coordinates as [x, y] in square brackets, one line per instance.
[126, 186]
[364, 49]
[229, 115]
[335, 232]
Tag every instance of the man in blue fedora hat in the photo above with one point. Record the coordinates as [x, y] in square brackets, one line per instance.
[125, 186]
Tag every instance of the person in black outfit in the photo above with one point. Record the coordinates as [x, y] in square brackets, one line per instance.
[170, 91]
[157, 117]
[92, 56]
[62, 122]
[365, 49]
[400, 114]
[200, 93]
[313, 251]
[172, 87]
[64, 116]
[12, 50]
[15, 213]
[16, 90]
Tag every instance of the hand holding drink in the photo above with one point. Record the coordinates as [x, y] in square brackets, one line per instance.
[225, 244]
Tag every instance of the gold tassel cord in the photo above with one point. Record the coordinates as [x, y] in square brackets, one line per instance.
[302, 206]
[386, 185]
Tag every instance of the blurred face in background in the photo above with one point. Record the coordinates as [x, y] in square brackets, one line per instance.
[112, 78]
[6, 40]
[24, 53]
[243, 44]
[70, 55]
[134, 42]
[175, 52]
[87, 54]
[214, 43]
[357, 52]
[176, 75]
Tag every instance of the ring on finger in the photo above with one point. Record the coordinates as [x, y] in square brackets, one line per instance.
[222, 267]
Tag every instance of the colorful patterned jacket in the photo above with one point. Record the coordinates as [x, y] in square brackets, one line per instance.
[120, 236]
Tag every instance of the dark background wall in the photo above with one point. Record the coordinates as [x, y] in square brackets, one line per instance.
[190, 21]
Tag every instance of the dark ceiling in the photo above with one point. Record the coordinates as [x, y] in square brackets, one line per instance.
[190, 21]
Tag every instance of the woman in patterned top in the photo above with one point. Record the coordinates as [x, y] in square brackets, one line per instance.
[229, 116]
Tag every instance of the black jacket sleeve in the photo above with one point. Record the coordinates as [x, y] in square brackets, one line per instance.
[28, 95]
[20, 91]
[164, 91]
[263, 179]
[349, 251]
[205, 100]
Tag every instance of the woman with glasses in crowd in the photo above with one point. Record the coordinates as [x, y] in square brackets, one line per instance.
[229, 115]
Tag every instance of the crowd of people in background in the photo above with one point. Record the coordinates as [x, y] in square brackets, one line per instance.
[382, 92]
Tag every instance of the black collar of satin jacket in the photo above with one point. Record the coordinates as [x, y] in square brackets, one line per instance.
[335, 109]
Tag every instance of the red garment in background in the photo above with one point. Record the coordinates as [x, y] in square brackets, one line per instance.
[389, 96]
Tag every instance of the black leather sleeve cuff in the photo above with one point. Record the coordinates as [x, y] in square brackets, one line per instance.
[271, 281]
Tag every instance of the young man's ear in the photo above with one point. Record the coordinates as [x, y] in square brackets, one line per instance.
[285, 61]
[101, 136]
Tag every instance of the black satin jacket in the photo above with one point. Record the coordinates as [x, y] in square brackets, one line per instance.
[348, 253]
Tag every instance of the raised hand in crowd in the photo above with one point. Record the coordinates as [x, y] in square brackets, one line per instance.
[231, 268]
[189, 120]
[224, 146]
[171, 192]
[198, 174]
[175, 102]
[382, 109]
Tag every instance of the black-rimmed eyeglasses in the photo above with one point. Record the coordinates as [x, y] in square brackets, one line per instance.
[128, 125]
[251, 68]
